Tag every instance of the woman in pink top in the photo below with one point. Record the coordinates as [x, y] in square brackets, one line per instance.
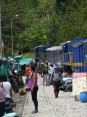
[2, 102]
[6, 86]
[32, 84]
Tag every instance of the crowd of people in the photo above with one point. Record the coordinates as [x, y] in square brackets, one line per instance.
[8, 85]
[13, 84]
[6, 98]
[51, 74]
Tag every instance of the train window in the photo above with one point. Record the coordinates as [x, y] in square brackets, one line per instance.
[65, 49]
[85, 53]
[85, 57]
[36, 50]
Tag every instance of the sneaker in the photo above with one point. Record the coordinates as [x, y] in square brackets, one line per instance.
[34, 111]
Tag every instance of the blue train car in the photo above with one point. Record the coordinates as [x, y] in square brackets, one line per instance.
[75, 54]
[40, 52]
[54, 55]
[78, 54]
[67, 53]
[85, 54]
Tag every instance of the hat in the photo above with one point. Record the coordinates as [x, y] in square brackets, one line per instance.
[15, 71]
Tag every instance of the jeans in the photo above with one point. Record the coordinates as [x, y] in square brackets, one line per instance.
[50, 79]
[34, 97]
[8, 106]
[56, 86]
[46, 78]
[2, 108]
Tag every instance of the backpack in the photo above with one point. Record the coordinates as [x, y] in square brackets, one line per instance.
[45, 69]
[56, 78]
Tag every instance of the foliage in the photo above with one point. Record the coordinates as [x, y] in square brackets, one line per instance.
[29, 55]
[42, 22]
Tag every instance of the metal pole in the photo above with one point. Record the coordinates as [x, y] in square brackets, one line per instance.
[0, 35]
[12, 35]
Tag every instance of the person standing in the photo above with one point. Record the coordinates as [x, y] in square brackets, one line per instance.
[51, 70]
[32, 84]
[56, 81]
[2, 102]
[27, 72]
[46, 74]
[6, 86]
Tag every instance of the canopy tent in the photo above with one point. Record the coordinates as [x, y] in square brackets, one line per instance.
[4, 69]
[24, 61]
[10, 64]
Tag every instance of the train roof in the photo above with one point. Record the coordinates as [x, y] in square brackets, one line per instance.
[39, 46]
[85, 41]
[46, 46]
[54, 48]
[61, 44]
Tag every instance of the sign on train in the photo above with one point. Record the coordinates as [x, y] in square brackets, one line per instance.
[79, 83]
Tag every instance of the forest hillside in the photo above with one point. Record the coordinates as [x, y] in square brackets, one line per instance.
[38, 22]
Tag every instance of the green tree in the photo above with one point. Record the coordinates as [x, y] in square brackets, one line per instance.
[42, 22]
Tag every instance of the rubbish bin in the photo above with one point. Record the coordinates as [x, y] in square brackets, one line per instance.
[83, 96]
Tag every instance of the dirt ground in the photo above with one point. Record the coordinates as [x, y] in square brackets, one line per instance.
[19, 100]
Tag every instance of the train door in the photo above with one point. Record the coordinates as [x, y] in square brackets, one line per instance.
[71, 58]
[60, 57]
[85, 57]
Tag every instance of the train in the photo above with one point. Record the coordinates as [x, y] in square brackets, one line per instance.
[72, 53]
[40, 52]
